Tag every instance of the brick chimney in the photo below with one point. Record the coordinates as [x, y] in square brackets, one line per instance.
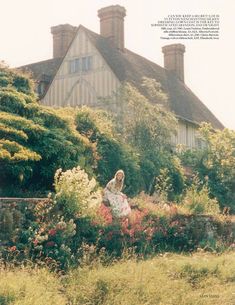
[62, 37]
[174, 59]
[112, 24]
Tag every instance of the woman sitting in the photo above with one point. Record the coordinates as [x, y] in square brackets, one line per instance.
[117, 200]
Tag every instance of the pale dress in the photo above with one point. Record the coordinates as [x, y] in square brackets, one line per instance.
[118, 201]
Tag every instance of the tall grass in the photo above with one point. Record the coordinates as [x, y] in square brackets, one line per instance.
[168, 279]
[25, 286]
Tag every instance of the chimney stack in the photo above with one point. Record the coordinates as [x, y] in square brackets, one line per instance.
[62, 37]
[112, 24]
[174, 59]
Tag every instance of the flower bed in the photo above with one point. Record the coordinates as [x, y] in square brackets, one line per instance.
[43, 234]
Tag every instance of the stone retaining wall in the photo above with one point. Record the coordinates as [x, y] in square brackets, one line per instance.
[13, 213]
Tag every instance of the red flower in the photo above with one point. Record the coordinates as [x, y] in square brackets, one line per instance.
[52, 232]
[110, 235]
[50, 243]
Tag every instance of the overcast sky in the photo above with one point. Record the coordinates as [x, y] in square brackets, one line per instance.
[209, 64]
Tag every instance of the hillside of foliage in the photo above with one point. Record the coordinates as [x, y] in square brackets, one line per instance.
[36, 140]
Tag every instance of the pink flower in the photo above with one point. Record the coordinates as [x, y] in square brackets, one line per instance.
[94, 222]
[35, 242]
[149, 233]
[106, 214]
[12, 249]
[132, 232]
[174, 223]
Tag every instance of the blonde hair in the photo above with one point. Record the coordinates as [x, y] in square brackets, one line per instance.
[119, 183]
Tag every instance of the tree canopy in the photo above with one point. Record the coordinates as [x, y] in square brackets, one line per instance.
[35, 140]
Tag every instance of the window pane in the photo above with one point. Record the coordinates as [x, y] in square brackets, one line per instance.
[77, 65]
[89, 63]
[80, 64]
[84, 63]
[72, 68]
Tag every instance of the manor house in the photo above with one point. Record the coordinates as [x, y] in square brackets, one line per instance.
[86, 66]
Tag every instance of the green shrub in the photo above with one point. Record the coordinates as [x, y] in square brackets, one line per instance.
[112, 154]
[197, 200]
[35, 140]
[215, 163]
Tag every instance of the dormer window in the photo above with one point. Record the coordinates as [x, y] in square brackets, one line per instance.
[81, 64]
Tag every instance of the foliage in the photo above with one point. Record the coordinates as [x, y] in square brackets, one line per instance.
[215, 163]
[48, 233]
[16, 80]
[54, 230]
[112, 154]
[46, 139]
[147, 125]
[12, 151]
[52, 243]
[93, 123]
[163, 185]
[154, 91]
[76, 195]
[197, 199]
[35, 140]
[170, 181]
[155, 227]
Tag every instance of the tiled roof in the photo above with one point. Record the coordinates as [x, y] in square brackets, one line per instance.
[131, 67]
[43, 70]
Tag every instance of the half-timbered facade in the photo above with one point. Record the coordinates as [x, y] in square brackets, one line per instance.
[82, 77]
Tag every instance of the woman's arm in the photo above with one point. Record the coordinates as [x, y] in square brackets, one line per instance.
[111, 187]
